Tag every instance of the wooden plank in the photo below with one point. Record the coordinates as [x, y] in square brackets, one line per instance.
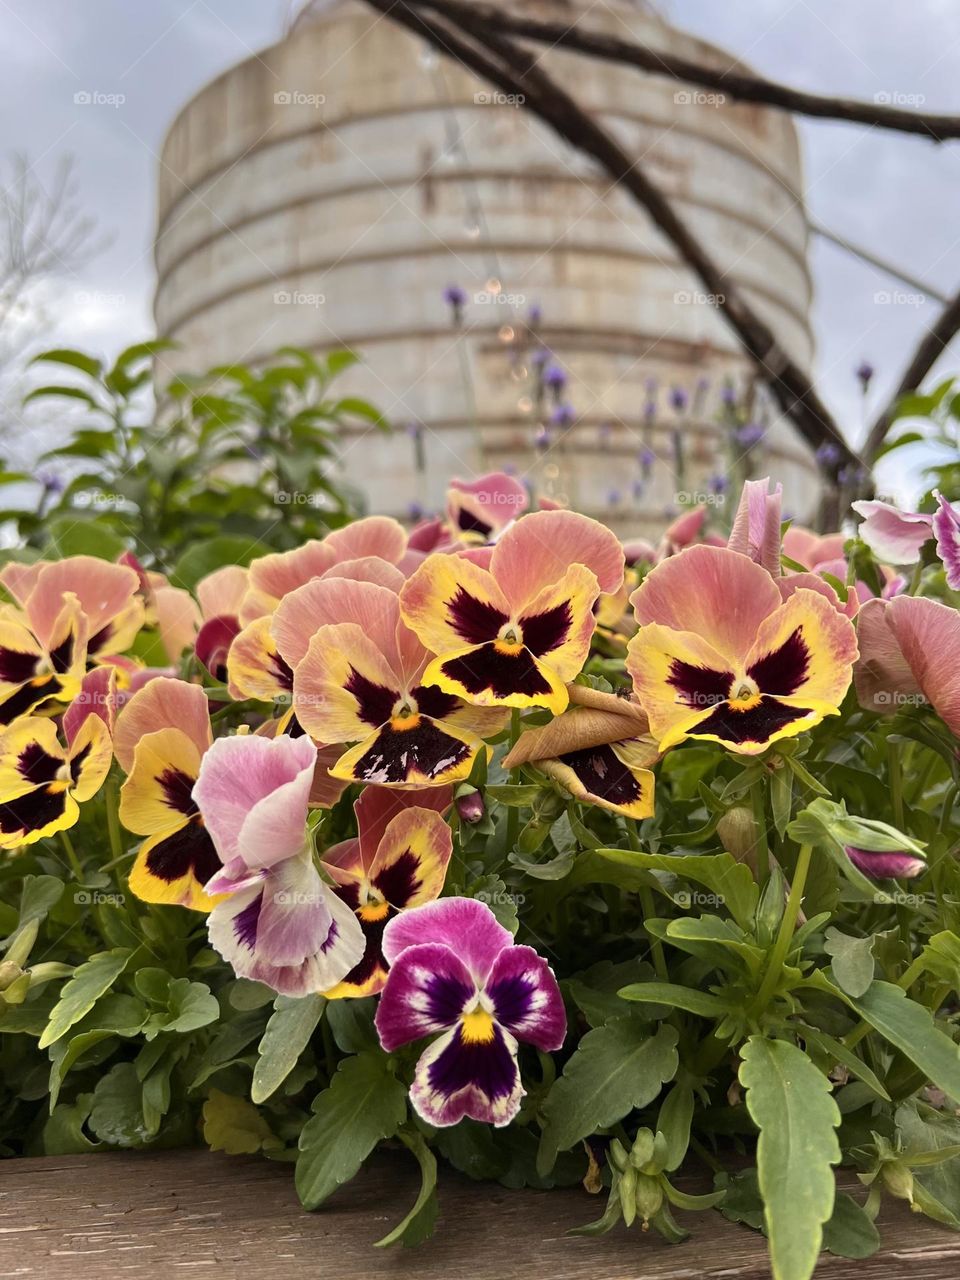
[151, 1214]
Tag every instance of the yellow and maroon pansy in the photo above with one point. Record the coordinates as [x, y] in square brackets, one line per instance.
[512, 629]
[398, 860]
[160, 739]
[720, 656]
[32, 670]
[360, 680]
[479, 510]
[599, 750]
[42, 782]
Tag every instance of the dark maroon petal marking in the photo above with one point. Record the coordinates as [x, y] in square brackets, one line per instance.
[486, 1064]
[397, 753]
[36, 766]
[604, 775]
[177, 788]
[784, 670]
[373, 961]
[17, 667]
[755, 725]
[213, 644]
[699, 687]
[433, 702]
[31, 812]
[78, 761]
[246, 921]
[99, 641]
[26, 698]
[375, 702]
[186, 851]
[474, 619]
[61, 657]
[545, 631]
[512, 997]
[294, 728]
[282, 673]
[467, 522]
[502, 673]
[401, 880]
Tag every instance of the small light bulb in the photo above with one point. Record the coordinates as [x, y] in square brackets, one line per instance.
[505, 333]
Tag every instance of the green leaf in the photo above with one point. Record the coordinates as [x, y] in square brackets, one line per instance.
[72, 359]
[235, 1126]
[850, 1233]
[852, 961]
[84, 989]
[838, 1052]
[364, 1104]
[73, 535]
[213, 553]
[419, 1223]
[190, 1005]
[790, 1102]
[690, 998]
[117, 1113]
[61, 390]
[730, 881]
[674, 1121]
[910, 1028]
[288, 1033]
[615, 1068]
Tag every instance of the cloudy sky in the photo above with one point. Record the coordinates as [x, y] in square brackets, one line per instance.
[896, 195]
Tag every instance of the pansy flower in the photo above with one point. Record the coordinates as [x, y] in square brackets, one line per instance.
[160, 738]
[277, 922]
[946, 529]
[909, 656]
[513, 631]
[599, 750]
[360, 679]
[42, 782]
[479, 511]
[274, 576]
[397, 860]
[456, 974]
[720, 656]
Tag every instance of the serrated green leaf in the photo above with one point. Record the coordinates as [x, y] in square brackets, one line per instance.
[731, 881]
[288, 1033]
[910, 1028]
[789, 1100]
[615, 1068]
[84, 989]
[364, 1104]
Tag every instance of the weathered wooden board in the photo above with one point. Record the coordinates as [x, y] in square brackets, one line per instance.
[127, 1216]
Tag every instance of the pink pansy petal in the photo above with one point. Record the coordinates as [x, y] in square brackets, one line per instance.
[526, 998]
[882, 676]
[326, 790]
[412, 656]
[162, 703]
[482, 557]
[428, 990]
[376, 808]
[538, 550]
[892, 534]
[466, 926]
[946, 528]
[686, 528]
[328, 601]
[344, 862]
[274, 576]
[714, 592]
[97, 697]
[213, 642]
[486, 506]
[885, 866]
[178, 620]
[20, 579]
[295, 919]
[254, 793]
[369, 569]
[813, 582]
[103, 590]
[639, 551]
[809, 548]
[429, 535]
[929, 637]
[221, 593]
[756, 527]
[479, 1080]
[372, 536]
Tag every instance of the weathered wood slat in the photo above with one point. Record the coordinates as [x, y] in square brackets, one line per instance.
[152, 1214]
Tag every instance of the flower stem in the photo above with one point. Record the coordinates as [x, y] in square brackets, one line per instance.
[113, 820]
[72, 858]
[758, 802]
[787, 925]
[895, 778]
[648, 908]
[513, 813]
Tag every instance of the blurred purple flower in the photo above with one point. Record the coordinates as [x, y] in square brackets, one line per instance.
[829, 454]
[564, 415]
[555, 377]
[749, 434]
[718, 483]
[865, 372]
[49, 481]
[678, 399]
[535, 314]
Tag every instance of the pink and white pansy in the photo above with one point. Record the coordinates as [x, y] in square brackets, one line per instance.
[456, 974]
[279, 923]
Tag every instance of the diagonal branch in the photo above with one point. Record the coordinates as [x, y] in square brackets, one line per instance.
[733, 83]
[931, 347]
[515, 70]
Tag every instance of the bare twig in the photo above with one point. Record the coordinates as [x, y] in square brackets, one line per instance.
[515, 70]
[941, 332]
[733, 83]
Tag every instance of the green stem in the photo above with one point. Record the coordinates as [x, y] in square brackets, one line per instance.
[758, 802]
[72, 858]
[895, 778]
[648, 908]
[787, 925]
[513, 813]
[113, 821]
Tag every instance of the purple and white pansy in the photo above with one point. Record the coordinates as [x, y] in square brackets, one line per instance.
[456, 973]
[278, 922]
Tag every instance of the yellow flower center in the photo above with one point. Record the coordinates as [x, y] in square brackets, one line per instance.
[509, 641]
[405, 715]
[745, 696]
[477, 1026]
[373, 911]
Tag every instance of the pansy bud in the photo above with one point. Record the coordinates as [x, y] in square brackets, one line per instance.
[737, 830]
[9, 973]
[898, 1180]
[898, 865]
[470, 806]
[649, 1196]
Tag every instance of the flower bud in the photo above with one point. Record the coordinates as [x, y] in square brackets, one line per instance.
[898, 1179]
[9, 973]
[738, 834]
[470, 806]
[898, 865]
[649, 1196]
